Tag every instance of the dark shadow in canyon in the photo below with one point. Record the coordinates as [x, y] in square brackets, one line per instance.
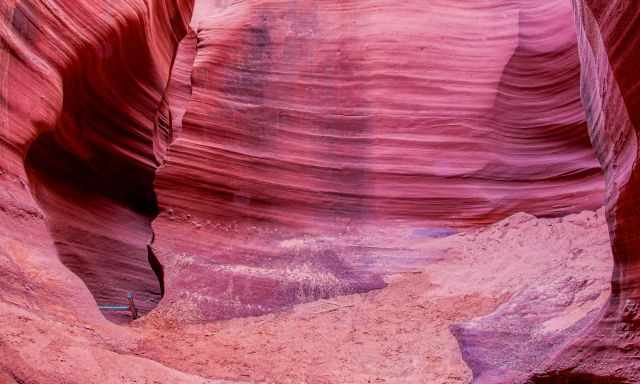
[99, 210]
[576, 378]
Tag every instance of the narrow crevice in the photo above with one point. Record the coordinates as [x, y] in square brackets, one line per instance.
[93, 172]
[99, 213]
[157, 267]
[167, 127]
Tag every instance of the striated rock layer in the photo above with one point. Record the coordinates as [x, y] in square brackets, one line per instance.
[283, 139]
[311, 111]
[608, 36]
[308, 117]
[81, 84]
[606, 350]
[282, 119]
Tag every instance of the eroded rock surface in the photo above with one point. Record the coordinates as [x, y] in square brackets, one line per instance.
[268, 153]
[608, 34]
[399, 334]
[328, 120]
[80, 87]
[538, 318]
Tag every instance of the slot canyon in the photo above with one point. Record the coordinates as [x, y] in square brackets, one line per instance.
[318, 191]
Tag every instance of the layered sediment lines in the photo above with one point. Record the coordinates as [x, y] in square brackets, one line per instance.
[323, 120]
[608, 34]
[282, 138]
[284, 120]
[81, 82]
[328, 110]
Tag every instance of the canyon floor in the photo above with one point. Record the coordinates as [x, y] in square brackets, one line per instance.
[399, 334]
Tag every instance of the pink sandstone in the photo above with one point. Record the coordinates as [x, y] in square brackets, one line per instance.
[225, 159]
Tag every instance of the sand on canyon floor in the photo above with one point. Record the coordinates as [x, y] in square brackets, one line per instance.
[398, 334]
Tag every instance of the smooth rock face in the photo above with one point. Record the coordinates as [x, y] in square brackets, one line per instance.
[263, 156]
[81, 84]
[294, 119]
[608, 36]
[98, 230]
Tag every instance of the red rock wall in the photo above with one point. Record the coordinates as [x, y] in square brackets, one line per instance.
[292, 131]
[296, 121]
[608, 37]
[300, 117]
[81, 84]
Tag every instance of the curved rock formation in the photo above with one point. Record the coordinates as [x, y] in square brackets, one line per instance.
[299, 123]
[81, 85]
[605, 351]
[294, 147]
[609, 32]
[277, 135]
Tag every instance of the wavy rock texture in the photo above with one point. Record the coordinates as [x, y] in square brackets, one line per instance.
[288, 143]
[80, 84]
[82, 94]
[294, 120]
[608, 34]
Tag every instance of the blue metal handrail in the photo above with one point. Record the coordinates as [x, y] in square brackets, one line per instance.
[113, 307]
[131, 307]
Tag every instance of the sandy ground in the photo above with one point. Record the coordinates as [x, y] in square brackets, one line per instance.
[399, 334]
[396, 335]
